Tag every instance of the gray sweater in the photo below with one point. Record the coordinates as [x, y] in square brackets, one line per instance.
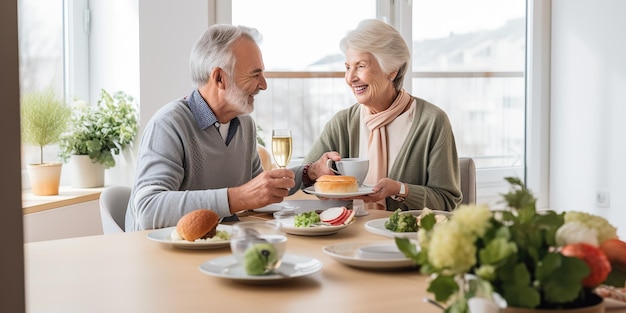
[427, 161]
[184, 164]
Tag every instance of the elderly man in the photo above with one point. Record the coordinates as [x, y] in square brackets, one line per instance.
[200, 151]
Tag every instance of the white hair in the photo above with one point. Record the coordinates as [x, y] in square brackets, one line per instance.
[384, 42]
[214, 49]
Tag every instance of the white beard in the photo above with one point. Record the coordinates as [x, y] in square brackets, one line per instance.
[238, 98]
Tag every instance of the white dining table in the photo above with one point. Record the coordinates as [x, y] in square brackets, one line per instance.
[127, 272]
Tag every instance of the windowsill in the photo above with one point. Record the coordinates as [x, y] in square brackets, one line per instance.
[67, 196]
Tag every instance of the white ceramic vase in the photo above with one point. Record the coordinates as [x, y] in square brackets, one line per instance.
[86, 174]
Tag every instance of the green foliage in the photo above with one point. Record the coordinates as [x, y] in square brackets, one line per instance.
[259, 139]
[101, 131]
[44, 118]
[517, 256]
[401, 223]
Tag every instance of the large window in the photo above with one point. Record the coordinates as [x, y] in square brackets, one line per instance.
[469, 61]
[303, 62]
[40, 26]
[471, 64]
[52, 53]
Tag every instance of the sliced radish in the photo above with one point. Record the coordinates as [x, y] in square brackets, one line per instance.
[349, 218]
[339, 220]
[331, 214]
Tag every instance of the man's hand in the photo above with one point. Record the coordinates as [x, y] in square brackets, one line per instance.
[267, 188]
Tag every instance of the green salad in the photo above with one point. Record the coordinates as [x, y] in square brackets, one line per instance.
[401, 223]
[223, 235]
[306, 219]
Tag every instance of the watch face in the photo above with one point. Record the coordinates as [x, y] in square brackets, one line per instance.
[402, 189]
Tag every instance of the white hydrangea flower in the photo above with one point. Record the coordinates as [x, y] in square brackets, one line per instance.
[452, 248]
[473, 218]
[575, 232]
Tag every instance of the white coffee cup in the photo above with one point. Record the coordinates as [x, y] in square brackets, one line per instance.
[351, 167]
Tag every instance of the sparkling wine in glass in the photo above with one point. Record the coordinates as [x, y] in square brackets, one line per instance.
[281, 147]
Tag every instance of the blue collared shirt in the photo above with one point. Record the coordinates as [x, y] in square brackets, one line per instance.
[205, 117]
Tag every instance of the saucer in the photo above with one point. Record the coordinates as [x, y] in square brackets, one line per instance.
[292, 266]
[369, 255]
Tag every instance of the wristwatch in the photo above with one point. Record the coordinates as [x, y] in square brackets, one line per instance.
[401, 196]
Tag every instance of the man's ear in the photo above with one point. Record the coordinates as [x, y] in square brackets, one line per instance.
[217, 76]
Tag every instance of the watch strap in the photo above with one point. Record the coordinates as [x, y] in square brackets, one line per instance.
[402, 194]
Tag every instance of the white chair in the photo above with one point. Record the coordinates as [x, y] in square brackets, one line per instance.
[468, 180]
[113, 202]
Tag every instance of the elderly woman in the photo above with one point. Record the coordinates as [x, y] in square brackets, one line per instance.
[409, 141]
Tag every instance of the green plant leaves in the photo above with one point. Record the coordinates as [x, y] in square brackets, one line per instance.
[517, 256]
[443, 287]
[560, 277]
[102, 131]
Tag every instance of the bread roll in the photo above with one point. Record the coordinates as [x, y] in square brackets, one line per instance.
[336, 184]
[198, 224]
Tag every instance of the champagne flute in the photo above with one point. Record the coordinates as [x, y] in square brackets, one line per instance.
[281, 147]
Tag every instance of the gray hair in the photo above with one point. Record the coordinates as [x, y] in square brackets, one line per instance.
[213, 50]
[384, 42]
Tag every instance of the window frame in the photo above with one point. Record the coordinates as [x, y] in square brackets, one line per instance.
[77, 23]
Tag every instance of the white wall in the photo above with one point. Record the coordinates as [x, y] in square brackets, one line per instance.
[142, 47]
[588, 107]
[70, 221]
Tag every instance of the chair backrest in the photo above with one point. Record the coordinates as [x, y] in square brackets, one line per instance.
[113, 202]
[468, 180]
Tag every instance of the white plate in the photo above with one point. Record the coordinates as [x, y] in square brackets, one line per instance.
[304, 205]
[292, 266]
[287, 225]
[163, 236]
[362, 191]
[377, 226]
[351, 253]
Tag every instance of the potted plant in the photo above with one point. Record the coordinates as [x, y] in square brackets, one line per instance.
[44, 118]
[533, 261]
[96, 134]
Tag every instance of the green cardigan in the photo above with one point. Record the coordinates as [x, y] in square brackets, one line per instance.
[427, 160]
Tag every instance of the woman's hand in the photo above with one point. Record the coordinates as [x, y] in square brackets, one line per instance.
[385, 188]
[319, 168]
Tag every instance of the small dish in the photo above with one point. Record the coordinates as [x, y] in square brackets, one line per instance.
[365, 190]
[380, 251]
[292, 266]
[369, 255]
[287, 226]
[377, 226]
[304, 205]
[163, 236]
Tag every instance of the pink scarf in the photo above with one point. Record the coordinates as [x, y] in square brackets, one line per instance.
[377, 146]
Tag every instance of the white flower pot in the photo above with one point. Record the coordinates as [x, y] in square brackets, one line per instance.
[84, 173]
